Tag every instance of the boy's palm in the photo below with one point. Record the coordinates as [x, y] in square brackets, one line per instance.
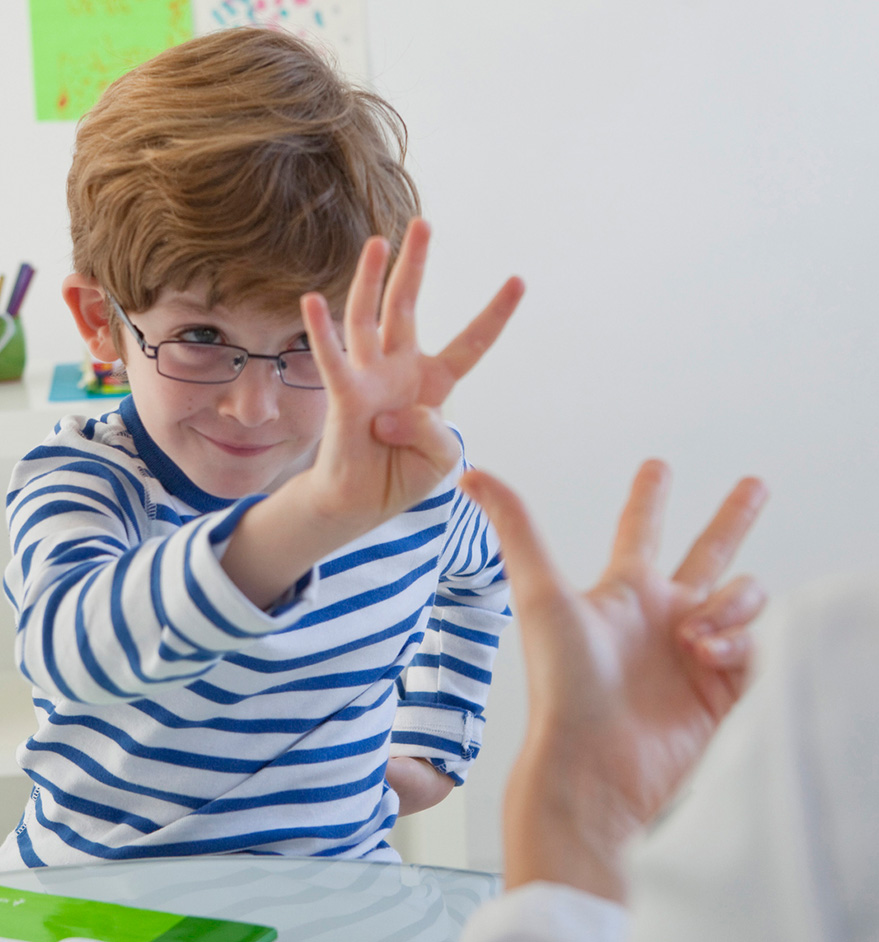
[385, 446]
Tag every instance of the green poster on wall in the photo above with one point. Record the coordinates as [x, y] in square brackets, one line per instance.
[80, 46]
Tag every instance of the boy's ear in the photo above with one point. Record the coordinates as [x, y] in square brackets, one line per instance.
[87, 303]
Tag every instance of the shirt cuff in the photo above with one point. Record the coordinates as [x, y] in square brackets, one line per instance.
[547, 912]
[449, 736]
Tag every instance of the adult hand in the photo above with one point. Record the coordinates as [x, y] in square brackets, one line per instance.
[627, 682]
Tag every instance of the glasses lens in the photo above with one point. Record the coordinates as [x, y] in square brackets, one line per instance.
[200, 362]
[298, 368]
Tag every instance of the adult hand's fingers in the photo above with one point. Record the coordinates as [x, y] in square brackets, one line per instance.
[465, 351]
[737, 603]
[404, 283]
[527, 560]
[640, 528]
[714, 549]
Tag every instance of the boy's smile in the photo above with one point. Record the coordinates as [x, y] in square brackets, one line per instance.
[235, 438]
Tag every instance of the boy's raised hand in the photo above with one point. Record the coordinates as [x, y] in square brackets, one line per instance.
[385, 445]
[627, 682]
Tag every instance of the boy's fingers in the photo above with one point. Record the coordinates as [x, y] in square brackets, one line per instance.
[640, 528]
[404, 283]
[323, 339]
[420, 429]
[527, 560]
[364, 299]
[465, 351]
[714, 549]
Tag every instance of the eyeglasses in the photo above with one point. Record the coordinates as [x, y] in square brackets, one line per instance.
[212, 363]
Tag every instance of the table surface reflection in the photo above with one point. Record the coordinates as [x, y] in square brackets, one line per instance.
[303, 899]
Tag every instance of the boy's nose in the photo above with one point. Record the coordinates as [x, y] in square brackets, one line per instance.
[252, 399]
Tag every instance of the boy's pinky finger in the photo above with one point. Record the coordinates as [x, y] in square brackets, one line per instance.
[465, 351]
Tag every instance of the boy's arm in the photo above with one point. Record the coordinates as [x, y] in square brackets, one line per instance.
[443, 692]
[108, 609]
[384, 446]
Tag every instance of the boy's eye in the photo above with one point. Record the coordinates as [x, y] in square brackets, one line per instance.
[200, 335]
[300, 343]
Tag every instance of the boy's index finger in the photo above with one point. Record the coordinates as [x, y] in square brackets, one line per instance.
[718, 543]
[639, 531]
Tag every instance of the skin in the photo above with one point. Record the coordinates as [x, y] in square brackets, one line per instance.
[335, 464]
[627, 681]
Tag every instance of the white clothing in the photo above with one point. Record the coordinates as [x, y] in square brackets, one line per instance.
[776, 839]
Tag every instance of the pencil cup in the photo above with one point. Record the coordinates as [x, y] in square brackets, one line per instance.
[12, 352]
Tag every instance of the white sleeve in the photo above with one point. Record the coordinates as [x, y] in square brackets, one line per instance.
[547, 912]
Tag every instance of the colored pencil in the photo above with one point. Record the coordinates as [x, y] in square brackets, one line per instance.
[22, 282]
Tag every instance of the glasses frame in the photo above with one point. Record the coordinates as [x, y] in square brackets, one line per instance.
[151, 352]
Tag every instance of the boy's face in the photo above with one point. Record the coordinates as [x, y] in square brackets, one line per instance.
[231, 439]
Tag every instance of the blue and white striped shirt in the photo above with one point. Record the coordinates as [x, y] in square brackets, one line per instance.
[177, 718]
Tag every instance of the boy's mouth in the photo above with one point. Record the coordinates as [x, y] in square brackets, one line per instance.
[238, 449]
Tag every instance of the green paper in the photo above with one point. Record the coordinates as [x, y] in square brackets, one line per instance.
[44, 917]
[81, 46]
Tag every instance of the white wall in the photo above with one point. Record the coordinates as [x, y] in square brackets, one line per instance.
[689, 190]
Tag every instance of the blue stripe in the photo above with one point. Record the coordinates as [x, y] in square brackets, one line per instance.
[368, 598]
[273, 725]
[381, 551]
[337, 681]
[92, 465]
[439, 699]
[221, 845]
[95, 809]
[86, 492]
[26, 849]
[434, 743]
[74, 551]
[52, 509]
[344, 750]
[177, 757]
[262, 666]
[447, 662]
[100, 774]
[484, 638]
[433, 502]
[297, 796]
[199, 597]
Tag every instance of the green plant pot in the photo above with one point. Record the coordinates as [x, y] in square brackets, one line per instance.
[12, 354]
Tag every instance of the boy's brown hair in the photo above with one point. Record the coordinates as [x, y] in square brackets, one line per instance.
[240, 160]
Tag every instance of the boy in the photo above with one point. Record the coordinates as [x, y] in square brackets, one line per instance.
[229, 590]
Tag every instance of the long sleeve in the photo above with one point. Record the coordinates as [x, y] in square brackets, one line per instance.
[116, 597]
[443, 692]
[775, 838]
[547, 912]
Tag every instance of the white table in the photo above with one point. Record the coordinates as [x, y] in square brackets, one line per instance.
[304, 899]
